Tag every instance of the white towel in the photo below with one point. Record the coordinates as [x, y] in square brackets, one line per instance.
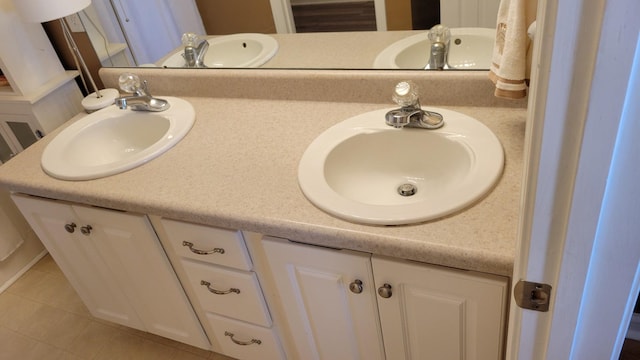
[510, 66]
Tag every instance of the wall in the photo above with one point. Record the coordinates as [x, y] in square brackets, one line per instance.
[220, 16]
[398, 14]
[54, 31]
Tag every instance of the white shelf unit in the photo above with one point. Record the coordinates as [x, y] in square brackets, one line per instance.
[41, 95]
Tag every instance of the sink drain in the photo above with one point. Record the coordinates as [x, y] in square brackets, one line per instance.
[407, 189]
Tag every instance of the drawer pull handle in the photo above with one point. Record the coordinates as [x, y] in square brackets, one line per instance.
[202, 252]
[243, 343]
[218, 292]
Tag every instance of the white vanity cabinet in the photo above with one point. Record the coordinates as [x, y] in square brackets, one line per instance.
[432, 312]
[216, 271]
[116, 264]
[335, 309]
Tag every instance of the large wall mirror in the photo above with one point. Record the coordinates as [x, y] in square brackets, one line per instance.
[318, 34]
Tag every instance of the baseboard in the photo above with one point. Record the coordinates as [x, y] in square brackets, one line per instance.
[634, 327]
[21, 272]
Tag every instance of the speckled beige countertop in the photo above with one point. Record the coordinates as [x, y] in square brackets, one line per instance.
[237, 166]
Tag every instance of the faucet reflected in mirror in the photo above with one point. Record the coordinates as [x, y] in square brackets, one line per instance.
[145, 39]
[194, 50]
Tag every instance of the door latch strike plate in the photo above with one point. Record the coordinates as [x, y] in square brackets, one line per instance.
[532, 296]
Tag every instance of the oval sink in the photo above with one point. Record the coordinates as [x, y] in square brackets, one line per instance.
[111, 141]
[470, 48]
[357, 169]
[237, 50]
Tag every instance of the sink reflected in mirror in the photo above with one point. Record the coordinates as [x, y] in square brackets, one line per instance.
[231, 51]
[364, 171]
[469, 49]
[111, 141]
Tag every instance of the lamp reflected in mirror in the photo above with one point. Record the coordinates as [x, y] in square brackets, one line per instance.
[39, 11]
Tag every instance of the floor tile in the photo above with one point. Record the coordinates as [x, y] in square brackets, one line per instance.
[54, 326]
[47, 265]
[21, 312]
[16, 346]
[92, 340]
[43, 318]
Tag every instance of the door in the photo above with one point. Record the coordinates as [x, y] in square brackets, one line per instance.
[128, 245]
[428, 312]
[151, 29]
[329, 300]
[59, 229]
[579, 228]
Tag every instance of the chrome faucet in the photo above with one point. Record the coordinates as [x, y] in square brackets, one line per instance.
[194, 54]
[410, 114]
[440, 37]
[141, 100]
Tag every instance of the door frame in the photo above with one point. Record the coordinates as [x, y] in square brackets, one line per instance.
[575, 112]
[283, 16]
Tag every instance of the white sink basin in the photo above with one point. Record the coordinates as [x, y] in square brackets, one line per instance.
[111, 141]
[230, 51]
[354, 169]
[470, 48]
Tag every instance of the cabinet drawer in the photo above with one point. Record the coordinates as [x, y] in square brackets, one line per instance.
[244, 341]
[204, 243]
[239, 294]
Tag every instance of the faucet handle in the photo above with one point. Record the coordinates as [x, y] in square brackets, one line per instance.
[406, 94]
[439, 33]
[129, 82]
[189, 39]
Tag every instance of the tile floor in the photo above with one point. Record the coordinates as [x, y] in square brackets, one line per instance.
[42, 318]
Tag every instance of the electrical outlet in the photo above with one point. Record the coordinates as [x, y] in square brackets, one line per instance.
[75, 24]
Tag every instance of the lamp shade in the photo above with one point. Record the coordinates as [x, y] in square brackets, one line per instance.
[45, 10]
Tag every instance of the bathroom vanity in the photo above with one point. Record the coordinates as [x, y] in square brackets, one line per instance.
[213, 243]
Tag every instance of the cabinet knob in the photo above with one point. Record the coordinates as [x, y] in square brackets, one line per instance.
[385, 291]
[202, 252]
[243, 343]
[71, 227]
[218, 292]
[356, 286]
[86, 230]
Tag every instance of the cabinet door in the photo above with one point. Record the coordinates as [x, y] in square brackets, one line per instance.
[7, 149]
[131, 250]
[21, 130]
[59, 230]
[439, 313]
[325, 318]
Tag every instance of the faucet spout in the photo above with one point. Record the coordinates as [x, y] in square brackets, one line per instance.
[440, 37]
[141, 103]
[438, 58]
[201, 51]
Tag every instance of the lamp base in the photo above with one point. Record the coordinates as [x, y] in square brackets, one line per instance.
[93, 103]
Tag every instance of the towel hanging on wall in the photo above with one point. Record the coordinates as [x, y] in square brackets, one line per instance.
[510, 65]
